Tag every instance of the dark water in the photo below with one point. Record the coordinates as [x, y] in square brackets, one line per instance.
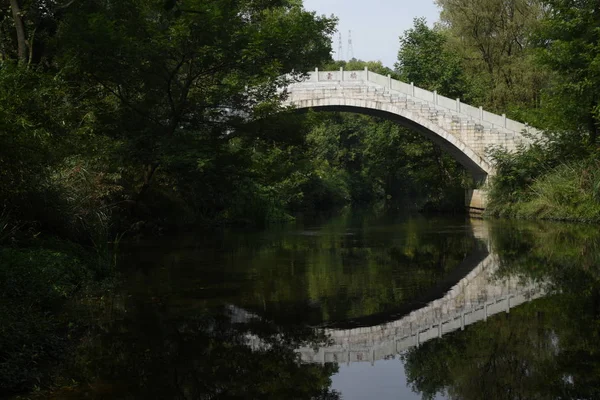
[357, 307]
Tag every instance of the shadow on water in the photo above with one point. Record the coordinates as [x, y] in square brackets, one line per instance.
[147, 352]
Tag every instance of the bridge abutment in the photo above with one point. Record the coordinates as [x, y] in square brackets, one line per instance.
[476, 200]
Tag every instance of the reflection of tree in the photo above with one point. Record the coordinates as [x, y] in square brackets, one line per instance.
[350, 267]
[546, 349]
[346, 272]
[151, 354]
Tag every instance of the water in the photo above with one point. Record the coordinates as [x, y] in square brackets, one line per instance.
[356, 307]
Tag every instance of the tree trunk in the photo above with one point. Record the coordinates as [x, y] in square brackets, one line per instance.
[150, 169]
[22, 48]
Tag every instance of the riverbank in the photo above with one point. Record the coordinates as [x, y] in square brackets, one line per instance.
[542, 183]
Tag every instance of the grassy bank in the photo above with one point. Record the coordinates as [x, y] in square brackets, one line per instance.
[542, 182]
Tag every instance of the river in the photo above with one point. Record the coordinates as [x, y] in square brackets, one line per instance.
[356, 307]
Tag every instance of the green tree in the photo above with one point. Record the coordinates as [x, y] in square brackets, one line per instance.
[176, 71]
[358, 65]
[493, 38]
[569, 41]
[425, 59]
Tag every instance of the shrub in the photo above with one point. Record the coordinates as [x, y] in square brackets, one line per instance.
[33, 283]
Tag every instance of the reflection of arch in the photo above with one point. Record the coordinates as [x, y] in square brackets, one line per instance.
[474, 298]
[475, 258]
[465, 132]
[471, 293]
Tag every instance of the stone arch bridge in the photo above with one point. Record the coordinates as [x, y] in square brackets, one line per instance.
[464, 131]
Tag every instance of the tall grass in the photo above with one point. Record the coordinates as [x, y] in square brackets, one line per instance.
[568, 192]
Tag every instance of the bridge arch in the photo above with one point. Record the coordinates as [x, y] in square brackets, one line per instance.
[479, 167]
[463, 131]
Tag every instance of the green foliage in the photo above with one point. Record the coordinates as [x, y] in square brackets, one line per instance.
[567, 192]
[359, 65]
[381, 161]
[568, 41]
[27, 144]
[34, 283]
[30, 343]
[41, 276]
[554, 178]
[425, 59]
[179, 71]
[493, 40]
[124, 113]
[571, 191]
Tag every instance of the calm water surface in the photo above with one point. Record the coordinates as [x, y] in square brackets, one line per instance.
[358, 307]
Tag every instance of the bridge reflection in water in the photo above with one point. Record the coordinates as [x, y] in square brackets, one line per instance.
[477, 296]
[474, 298]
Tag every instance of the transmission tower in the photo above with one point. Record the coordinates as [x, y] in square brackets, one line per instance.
[340, 52]
[350, 47]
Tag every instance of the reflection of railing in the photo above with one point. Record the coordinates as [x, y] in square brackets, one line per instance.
[408, 336]
[475, 298]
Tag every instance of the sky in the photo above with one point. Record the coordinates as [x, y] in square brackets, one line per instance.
[376, 25]
[385, 380]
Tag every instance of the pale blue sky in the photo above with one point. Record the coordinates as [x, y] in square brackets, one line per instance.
[376, 25]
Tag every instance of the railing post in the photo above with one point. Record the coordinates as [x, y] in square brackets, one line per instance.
[372, 357]
[481, 112]
[341, 73]
[367, 74]
[412, 89]
[458, 105]
[317, 73]
[504, 119]
[435, 97]
[390, 81]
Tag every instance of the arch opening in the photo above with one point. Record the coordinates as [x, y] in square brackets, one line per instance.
[474, 164]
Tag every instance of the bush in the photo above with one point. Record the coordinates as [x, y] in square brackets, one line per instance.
[569, 192]
[553, 179]
[40, 276]
[33, 284]
[525, 188]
